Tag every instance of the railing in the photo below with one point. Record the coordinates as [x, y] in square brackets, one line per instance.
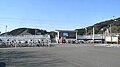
[98, 36]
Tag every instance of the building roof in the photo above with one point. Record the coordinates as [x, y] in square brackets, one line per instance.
[66, 30]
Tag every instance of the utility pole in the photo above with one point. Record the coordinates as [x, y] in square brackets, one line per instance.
[35, 31]
[86, 31]
[110, 30]
[102, 34]
[76, 35]
[110, 33]
[93, 35]
[6, 28]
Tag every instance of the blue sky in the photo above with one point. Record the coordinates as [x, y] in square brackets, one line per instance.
[56, 14]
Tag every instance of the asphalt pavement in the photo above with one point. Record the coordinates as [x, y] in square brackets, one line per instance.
[64, 55]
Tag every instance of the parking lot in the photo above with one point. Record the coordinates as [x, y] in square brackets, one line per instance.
[64, 55]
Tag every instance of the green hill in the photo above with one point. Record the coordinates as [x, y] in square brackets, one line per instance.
[25, 31]
[101, 27]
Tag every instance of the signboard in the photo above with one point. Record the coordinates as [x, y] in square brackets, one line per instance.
[114, 39]
[108, 39]
[111, 39]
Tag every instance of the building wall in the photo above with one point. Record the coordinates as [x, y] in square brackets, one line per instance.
[25, 38]
[67, 34]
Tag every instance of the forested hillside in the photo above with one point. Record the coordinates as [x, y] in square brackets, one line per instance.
[101, 27]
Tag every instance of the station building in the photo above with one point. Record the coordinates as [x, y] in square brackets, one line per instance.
[66, 36]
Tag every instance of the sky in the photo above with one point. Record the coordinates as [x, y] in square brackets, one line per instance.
[53, 15]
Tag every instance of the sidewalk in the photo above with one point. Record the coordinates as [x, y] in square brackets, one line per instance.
[108, 45]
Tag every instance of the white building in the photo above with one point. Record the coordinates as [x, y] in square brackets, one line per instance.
[68, 35]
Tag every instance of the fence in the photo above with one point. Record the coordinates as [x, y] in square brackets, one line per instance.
[25, 41]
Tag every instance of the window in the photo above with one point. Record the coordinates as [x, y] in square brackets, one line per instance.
[65, 34]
